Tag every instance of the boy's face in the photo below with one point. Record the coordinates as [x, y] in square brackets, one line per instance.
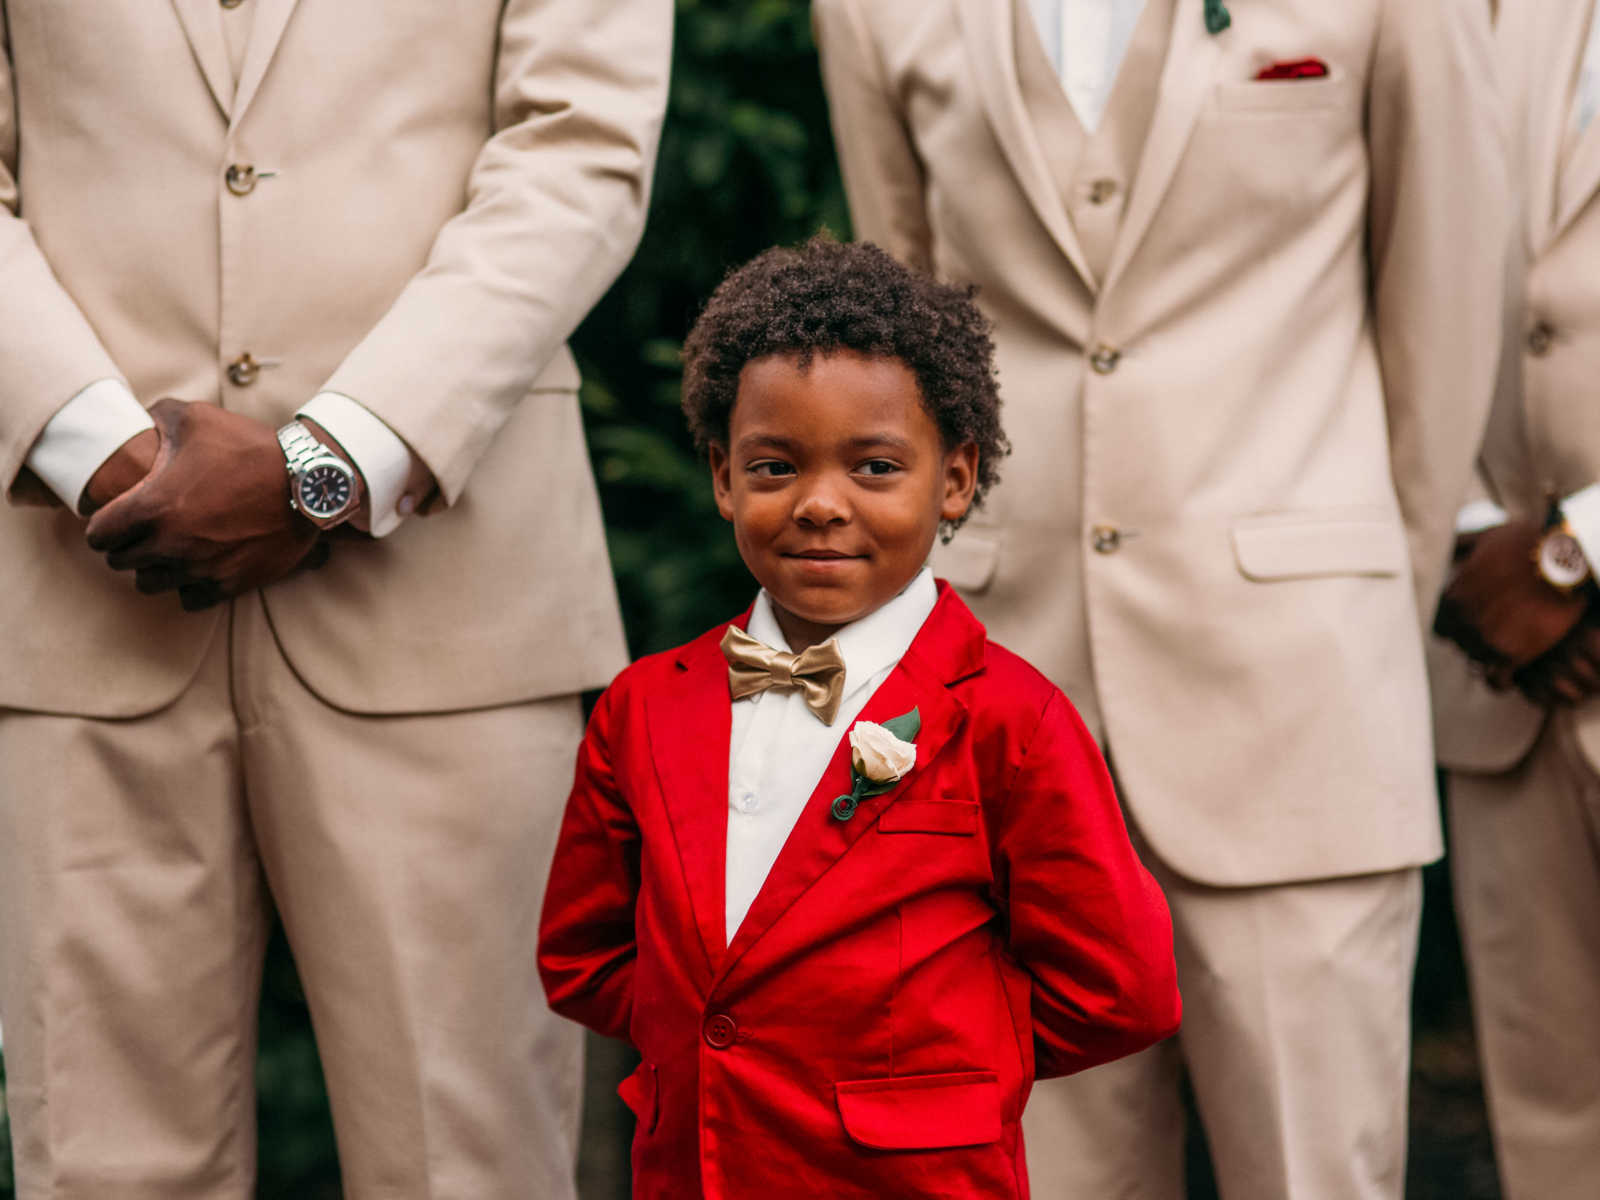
[835, 480]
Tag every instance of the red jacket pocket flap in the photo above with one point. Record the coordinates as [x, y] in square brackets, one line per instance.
[921, 1112]
[638, 1092]
[930, 816]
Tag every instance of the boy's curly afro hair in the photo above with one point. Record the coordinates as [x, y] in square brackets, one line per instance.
[825, 296]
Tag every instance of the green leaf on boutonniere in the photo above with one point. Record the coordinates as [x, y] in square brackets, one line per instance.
[903, 728]
[906, 726]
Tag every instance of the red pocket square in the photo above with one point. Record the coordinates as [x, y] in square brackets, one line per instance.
[1300, 68]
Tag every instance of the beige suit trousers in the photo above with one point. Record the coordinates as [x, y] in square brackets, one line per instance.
[1525, 855]
[407, 856]
[1296, 1037]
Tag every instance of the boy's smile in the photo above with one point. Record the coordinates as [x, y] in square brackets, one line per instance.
[836, 479]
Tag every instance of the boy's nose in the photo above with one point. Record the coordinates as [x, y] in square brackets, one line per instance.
[821, 504]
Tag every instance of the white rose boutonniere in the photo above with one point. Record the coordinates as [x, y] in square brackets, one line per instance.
[880, 757]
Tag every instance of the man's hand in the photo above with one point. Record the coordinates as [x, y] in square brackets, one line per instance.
[1498, 609]
[127, 466]
[211, 519]
[1569, 673]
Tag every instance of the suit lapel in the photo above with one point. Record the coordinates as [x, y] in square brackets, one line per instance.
[949, 647]
[989, 32]
[202, 25]
[689, 727]
[1553, 59]
[272, 17]
[1192, 56]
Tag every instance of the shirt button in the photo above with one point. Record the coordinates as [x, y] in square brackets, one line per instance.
[1540, 338]
[1106, 539]
[1102, 190]
[720, 1031]
[243, 370]
[747, 802]
[1104, 359]
[241, 179]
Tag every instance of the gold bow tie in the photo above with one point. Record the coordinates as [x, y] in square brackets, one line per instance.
[754, 666]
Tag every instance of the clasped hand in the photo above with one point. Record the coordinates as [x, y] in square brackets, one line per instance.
[211, 518]
[1521, 631]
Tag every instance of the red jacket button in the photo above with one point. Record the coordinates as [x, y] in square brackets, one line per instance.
[720, 1031]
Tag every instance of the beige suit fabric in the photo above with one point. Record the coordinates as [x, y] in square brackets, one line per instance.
[407, 875]
[1295, 361]
[1241, 436]
[449, 188]
[439, 194]
[1296, 1012]
[1525, 785]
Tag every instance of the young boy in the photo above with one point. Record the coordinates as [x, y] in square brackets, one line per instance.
[848, 875]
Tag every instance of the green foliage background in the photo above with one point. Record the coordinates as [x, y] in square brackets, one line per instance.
[746, 161]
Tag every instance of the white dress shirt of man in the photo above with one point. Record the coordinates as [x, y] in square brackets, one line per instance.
[1245, 364]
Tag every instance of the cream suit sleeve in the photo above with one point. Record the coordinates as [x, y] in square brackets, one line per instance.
[1439, 214]
[554, 209]
[882, 173]
[48, 352]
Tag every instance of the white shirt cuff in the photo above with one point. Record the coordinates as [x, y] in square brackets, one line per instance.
[377, 451]
[1581, 511]
[86, 430]
[1477, 515]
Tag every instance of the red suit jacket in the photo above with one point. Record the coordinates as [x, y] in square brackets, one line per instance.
[901, 978]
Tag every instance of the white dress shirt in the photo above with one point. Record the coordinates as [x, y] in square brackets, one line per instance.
[1581, 509]
[1086, 41]
[779, 748]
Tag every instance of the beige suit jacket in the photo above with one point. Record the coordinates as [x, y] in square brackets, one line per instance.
[1543, 437]
[444, 190]
[1303, 305]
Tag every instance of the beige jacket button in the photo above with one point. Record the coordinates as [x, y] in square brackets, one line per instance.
[241, 179]
[1104, 359]
[1540, 338]
[720, 1031]
[1106, 539]
[243, 370]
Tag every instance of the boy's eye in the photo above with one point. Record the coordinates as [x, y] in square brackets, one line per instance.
[878, 466]
[770, 468]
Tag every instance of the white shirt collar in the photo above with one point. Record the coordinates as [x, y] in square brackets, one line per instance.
[871, 644]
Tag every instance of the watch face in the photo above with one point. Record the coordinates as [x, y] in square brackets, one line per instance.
[324, 491]
[1561, 559]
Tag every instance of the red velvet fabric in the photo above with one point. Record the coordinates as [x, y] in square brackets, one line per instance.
[902, 976]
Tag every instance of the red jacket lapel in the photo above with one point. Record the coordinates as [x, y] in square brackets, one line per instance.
[948, 648]
[690, 725]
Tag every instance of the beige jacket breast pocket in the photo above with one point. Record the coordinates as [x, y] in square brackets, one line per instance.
[1302, 546]
[1266, 97]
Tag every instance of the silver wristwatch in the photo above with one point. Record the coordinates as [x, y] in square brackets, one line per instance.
[322, 486]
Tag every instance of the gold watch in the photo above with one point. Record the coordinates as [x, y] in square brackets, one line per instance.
[1560, 558]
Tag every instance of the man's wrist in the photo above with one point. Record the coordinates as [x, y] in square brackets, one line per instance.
[325, 486]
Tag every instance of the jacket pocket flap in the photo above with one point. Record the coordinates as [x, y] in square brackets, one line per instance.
[930, 816]
[921, 1112]
[1303, 548]
[638, 1092]
[968, 562]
